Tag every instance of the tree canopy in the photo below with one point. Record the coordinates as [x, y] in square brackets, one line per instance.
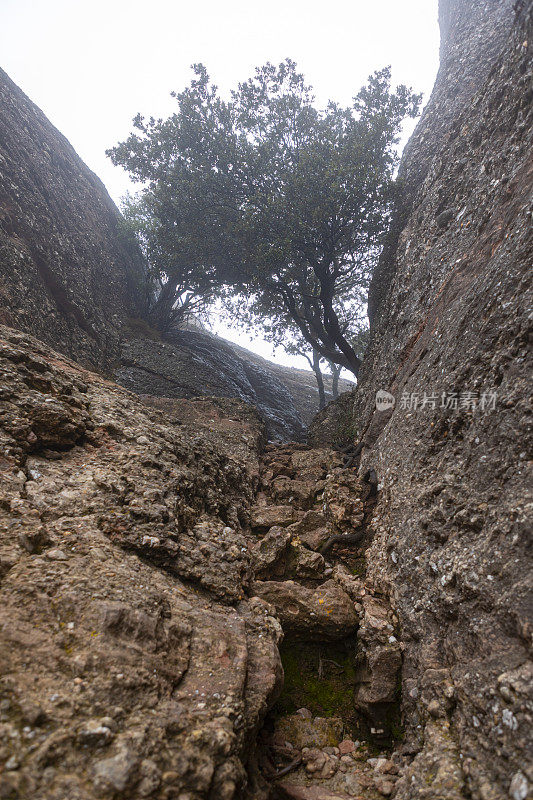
[263, 192]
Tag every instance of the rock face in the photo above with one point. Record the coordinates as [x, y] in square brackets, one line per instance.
[66, 273]
[131, 665]
[191, 364]
[301, 383]
[451, 309]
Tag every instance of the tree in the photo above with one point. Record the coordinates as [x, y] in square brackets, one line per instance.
[278, 328]
[285, 203]
[171, 294]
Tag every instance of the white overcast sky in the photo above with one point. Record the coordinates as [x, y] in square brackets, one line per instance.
[92, 65]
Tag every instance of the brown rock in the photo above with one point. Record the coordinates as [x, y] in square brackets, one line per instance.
[312, 530]
[319, 732]
[270, 550]
[298, 493]
[312, 614]
[124, 672]
[265, 517]
[346, 746]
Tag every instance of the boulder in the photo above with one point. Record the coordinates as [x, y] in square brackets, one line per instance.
[310, 614]
[265, 517]
[270, 550]
[312, 529]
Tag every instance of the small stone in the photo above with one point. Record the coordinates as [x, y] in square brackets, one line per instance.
[385, 788]
[150, 778]
[386, 767]
[434, 709]
[96, 733]
[56, 554]
[11, 763]
[115, 772]
[169, 777]
[519, 787]
[346, 746]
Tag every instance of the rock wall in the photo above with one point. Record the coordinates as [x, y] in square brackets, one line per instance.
[451, 305]
[153, 553]
[130, 663]
[66, 274]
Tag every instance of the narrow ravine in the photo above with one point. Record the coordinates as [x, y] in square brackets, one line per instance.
[333, 731]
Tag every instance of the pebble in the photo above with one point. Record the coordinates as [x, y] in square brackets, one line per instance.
[56, 554]
[519, 788]
[434, 708]
[385, 788]
[346, 746]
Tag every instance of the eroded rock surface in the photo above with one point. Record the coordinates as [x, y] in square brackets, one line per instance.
[130, 664]
[451, 302]
[67, 275]
[194, 363]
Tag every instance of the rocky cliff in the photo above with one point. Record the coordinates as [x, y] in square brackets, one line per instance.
[451, 307]
[66, 272]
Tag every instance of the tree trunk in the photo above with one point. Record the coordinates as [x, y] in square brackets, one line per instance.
[331, 324]
[319, 380]
[335, 374]
[325, 335]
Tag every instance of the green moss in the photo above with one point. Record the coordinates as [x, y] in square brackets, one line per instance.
[331, 695]
[397, 732]
[358, 567]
